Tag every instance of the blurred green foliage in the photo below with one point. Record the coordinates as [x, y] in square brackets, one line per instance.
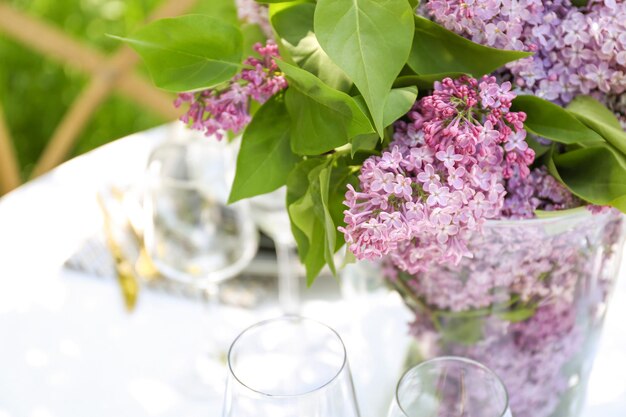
[36, 91]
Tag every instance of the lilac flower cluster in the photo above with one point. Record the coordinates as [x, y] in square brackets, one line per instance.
[537, 191]
[535, 293]
[530, 358]
[576, 50]
[441, 178]
[218, 110]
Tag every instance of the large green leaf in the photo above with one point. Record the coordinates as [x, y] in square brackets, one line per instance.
[366, 142]
[551, 121]
[307, 228]
[315, 193]
[591, 108]
[320, 191]
[189, 52]
[370, 40]
[333, 180]
[294, 26]
[322, 117]
[265, 158]
[596, 174]
[437, 50]
[399, 102]
[597, 117]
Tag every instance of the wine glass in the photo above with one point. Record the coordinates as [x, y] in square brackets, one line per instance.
[450, 387]
[193, 236]
[270, 215]
[289, 367]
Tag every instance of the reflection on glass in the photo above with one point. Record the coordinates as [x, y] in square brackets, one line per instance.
[289, 367]
[450, 387]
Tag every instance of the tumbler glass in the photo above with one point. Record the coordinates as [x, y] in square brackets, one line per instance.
[450, 387]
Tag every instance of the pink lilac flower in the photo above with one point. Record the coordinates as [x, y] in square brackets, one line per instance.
[249, 11]
[561, 272]
[441, 178]
[218, 110]
[576, 49]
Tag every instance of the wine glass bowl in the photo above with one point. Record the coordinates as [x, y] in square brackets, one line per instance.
[288, 367]
[192, 235]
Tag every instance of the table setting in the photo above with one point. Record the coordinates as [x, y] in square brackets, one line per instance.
[366, 209]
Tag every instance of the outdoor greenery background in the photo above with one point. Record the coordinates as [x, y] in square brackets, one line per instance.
[37, 91]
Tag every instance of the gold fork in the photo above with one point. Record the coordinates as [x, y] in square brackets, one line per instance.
[126, 274]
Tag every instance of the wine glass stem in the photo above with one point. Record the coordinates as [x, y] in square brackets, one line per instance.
[288, 284]
[210, 299]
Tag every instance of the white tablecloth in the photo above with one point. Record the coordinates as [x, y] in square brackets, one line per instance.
[69, 349]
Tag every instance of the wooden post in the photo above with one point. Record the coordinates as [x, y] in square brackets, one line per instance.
[107, 74]
[9, 167]
[73, 122]
[50, 41]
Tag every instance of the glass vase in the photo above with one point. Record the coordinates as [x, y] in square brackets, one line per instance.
[529, 305]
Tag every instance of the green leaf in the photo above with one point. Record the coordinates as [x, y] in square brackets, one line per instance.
[543, 214]
[539, 148]
[294, 26]
[551, 121]
[189, 52]
[399, 102]
[517, 315]
[424, 82]
[330, 230]
[265, 158]
[437, 50]
[365, 142]
[370, 40]
[599, 118]
[590, 107]
[464, 330]
[596, 174]
[315, 194]
[297, 186]
[322, 117]
[306, 224]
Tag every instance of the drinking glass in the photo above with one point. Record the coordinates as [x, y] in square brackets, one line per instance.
[193, 236]
[289, 367]
[450, 387]
[270, 215]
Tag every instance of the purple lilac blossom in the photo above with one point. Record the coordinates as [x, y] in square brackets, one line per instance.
[537, 191]
[576, 50]
[218, 110]
[559, 270]
[441, 178]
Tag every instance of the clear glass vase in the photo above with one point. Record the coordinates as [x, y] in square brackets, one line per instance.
[529, 305]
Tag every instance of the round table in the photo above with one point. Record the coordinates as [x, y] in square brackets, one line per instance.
[68, 348]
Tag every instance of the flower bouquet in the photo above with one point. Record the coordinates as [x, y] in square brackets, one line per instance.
[476, 148]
